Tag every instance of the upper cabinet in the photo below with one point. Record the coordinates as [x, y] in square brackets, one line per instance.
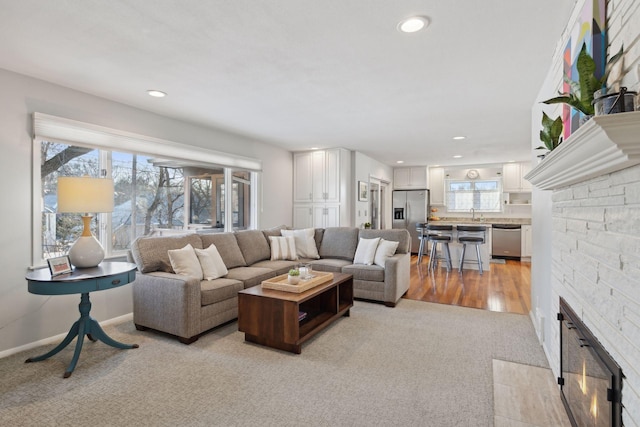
[513, 177]
[317, 176]
[410, 178]
[436, 186]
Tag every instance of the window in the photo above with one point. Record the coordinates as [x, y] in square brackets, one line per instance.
[152, 194]
[481, 195]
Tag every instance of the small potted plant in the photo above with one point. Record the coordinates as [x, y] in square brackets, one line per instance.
[294, 276]
[367, 225]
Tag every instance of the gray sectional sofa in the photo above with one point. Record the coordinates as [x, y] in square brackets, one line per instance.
[186, 307]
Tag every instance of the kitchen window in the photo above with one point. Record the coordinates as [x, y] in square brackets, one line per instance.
[480, 195]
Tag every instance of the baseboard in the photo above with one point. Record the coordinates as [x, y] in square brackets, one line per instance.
[59, 337]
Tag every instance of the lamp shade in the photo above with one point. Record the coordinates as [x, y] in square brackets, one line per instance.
[83, 194]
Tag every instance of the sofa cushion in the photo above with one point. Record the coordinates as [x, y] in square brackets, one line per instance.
[386, 249]
[227, 245]
[305, 242]
[251, 276]
[366, 251]
[279, 267]
[329, 264]
[401, 236]
[340, 243]
[213, 291]
[283, 248]
[371, 273]
[185, 262]
[275, 231]
[152, 253]
[254, 246]
[211, 263]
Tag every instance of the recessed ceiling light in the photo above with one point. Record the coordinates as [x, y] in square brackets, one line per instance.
[156, 93]
[457, 156]
[413, 24]
[400, 161]
[314, 148]
[459, 137]
[511, 161]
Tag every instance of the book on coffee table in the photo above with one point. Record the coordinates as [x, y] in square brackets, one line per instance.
[301, 316]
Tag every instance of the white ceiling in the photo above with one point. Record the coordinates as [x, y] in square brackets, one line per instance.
[307, 73]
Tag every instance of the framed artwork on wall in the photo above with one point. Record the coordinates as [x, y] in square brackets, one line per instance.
[363, 191]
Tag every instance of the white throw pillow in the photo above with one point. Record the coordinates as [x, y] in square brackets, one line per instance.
[386, 249]
[211, 263]
[366, 251]
[185, 262]
[283, 248]
[305, 243]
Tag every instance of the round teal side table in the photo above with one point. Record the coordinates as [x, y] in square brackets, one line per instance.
[82, 281]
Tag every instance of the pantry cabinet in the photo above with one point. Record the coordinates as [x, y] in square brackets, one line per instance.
[320, 188]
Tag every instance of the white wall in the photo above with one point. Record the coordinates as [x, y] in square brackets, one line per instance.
[364, 167]
[26, 318]
[585, 247]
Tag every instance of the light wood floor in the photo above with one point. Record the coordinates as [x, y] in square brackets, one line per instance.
[505, 288]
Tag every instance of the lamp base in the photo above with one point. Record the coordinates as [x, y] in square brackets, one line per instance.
[86, 252]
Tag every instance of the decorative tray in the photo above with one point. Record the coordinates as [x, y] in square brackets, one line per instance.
[280, 283]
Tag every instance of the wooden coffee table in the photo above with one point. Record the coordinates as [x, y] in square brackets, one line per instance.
[270, 317]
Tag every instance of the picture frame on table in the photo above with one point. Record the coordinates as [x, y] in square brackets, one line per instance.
[363, 191]
[59, 265]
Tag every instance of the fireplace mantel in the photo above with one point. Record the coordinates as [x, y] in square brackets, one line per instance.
[603, 145]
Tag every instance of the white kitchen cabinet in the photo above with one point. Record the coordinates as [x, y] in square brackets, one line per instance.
[410, 178]
[513, 177]
[436, 186]
[317, 176]
[320, 188]
[526, 246]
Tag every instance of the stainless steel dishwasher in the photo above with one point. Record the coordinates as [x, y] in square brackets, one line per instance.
[505, 240]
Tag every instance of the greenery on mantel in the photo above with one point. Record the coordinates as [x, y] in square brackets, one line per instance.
[551, 132]
[580, 97]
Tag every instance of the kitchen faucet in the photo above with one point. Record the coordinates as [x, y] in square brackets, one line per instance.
[473, 214]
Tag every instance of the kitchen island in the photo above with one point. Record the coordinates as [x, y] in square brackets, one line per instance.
[456, 248]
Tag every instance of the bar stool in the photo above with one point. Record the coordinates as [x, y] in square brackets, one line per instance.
[471, 235]
[422, 236]
[439, 234]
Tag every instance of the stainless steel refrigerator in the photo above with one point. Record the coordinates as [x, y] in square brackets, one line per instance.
[409, 208]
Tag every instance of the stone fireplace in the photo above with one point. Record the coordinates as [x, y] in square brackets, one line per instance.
[590, 381]
[594, 267]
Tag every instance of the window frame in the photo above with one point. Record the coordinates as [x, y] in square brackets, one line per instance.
[65, 131]
[473, 190]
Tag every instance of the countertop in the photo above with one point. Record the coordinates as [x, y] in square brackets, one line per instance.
[486, 221]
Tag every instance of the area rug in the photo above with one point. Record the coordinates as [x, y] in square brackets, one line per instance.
[416, 364]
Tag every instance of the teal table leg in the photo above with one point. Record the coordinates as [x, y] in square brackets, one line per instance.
[88, 326]
[65, 342]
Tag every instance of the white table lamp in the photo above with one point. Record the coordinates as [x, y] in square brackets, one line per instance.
[85, 195]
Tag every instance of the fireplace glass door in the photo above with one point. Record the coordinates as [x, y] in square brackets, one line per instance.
[591, 380]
